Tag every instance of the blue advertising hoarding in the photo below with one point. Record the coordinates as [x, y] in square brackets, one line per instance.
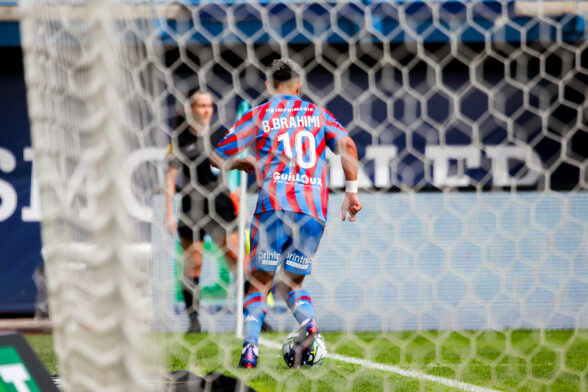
[19, 209]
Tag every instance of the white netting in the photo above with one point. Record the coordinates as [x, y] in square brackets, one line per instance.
[470, 122]
[89, 93]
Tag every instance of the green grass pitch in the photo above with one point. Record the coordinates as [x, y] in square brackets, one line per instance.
[517, 360]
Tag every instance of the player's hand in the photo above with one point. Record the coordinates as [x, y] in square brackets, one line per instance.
[351, 206]
[170, 223]
[247, 165]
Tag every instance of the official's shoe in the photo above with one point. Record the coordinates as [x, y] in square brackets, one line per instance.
[265, 327]
[249, 357]
[194, 324]
[304, 342]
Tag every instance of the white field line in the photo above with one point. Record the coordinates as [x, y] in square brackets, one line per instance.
[395, 369]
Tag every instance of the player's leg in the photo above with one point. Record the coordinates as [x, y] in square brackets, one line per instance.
[254, 313]
[290, 288]
[267, 239]
[230, 247]
[192, 253]
[305, 235]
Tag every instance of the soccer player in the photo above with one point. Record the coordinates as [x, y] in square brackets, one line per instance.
[288, 137]
[207, 206]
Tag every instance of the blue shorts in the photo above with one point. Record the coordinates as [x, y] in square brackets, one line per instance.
[286, 238]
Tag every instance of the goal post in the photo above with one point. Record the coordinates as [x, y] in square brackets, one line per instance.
[90, 104]
[469, 260]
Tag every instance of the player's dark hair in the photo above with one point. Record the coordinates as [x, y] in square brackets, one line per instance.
[283, 70]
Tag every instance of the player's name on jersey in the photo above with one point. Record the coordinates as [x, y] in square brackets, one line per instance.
[290, 122]
[297, 179]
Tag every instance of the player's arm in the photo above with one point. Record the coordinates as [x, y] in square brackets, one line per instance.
[236, 140]
[246, 164]
[351, 205]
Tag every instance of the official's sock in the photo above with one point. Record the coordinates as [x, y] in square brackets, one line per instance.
[192, 296]
[254, 311]
[301, 305]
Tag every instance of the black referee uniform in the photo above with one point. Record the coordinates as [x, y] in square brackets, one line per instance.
[206, 204]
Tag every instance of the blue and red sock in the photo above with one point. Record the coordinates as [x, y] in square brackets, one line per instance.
[254, 311]
[301, 305]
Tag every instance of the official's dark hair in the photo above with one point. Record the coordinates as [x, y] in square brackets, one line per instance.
[195, 92]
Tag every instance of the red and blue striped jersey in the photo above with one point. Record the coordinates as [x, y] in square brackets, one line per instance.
[288, 137]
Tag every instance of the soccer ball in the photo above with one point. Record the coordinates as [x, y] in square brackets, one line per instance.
[318, 352]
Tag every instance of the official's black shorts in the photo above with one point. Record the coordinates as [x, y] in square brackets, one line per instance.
[200, 216]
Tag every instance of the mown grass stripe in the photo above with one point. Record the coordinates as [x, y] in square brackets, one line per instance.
[394, 369]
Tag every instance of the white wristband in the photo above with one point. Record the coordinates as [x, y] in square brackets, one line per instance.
[351, 186]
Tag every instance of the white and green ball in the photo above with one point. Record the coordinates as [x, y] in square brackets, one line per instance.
[318, 352]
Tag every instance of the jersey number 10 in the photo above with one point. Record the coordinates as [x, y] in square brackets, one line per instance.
[299, 142]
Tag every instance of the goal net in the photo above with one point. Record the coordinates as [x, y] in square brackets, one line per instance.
[467, 268]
